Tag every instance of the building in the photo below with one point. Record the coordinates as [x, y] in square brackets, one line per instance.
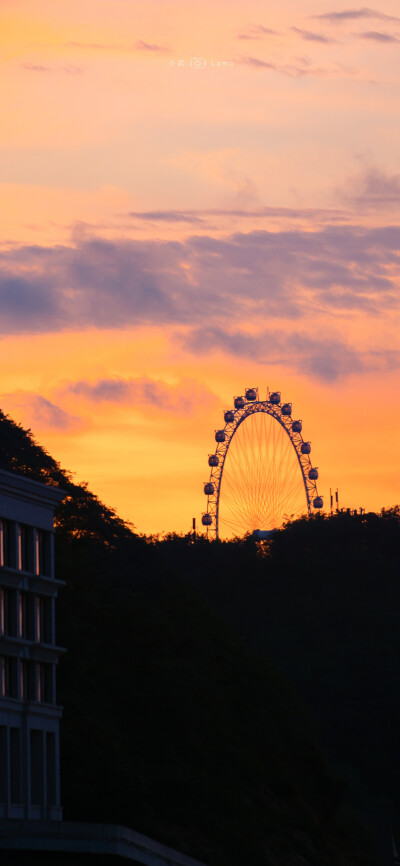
[29, 715]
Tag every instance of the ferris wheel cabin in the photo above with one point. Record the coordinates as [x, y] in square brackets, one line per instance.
[229, 416]
[206, 519]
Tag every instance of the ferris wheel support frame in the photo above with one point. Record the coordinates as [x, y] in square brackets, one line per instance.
[231, 427]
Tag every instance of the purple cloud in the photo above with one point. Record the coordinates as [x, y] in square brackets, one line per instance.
[378, 37]
[167, 216]
[108, 284]
[258, 64]
[257, 31]
[354, 15]
[184, 398]
[43, 413]
[35, 67]
[203, 216]
[140, 45]
[309, 36]
[148, 46]
[70, 69]
[327, 360]
[372, 189]
[298, 69]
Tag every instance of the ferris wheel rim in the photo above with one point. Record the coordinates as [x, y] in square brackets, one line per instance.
[246, 409]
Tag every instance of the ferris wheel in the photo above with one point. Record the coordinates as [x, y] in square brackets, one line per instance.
[261, 472]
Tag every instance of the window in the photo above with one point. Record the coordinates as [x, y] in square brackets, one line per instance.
[51, 768]
[15, 756]
[26, 616]
[21, 614]
[24, 547]
[39, 683]
[3, 765]
[27, 680]
[31, 681]
[2, 612]
[22, 680]
[44, 620]
[10, 677]
[37, 773]
[7, 543]
[45, 684]
[10, 612]
[37, 552]
[42, 552]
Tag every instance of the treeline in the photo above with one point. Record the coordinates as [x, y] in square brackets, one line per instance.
[201, 679]
[322, 601]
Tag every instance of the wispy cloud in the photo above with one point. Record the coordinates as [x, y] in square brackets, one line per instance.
[257, 31]
[310, 36]
[259, 64]
[203, 216]
[354, 15]
[99, 46]
[372, 189]
[69, 69]
[186, 397]
[42, 413]
[327, 360]
[169, 216]
[375, 36]
[35, 67]
[150, 46]
[299, 68]
[139, 45]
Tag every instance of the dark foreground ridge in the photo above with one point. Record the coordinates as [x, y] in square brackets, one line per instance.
[176, 724]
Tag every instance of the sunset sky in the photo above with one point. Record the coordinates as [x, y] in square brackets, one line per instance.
[197, 198]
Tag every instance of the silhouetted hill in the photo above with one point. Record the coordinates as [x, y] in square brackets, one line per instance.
[323, 604]
[171, 724]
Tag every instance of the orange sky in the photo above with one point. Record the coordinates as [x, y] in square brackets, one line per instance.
[175, 230]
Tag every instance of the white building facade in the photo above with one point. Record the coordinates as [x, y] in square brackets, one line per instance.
[29, 715]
